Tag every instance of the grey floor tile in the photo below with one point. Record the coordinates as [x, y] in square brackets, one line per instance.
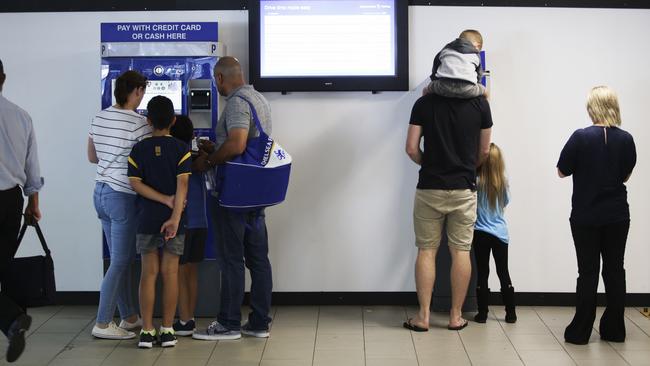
[535, 342]
[188, 348]
[296, 315]
[180, 361]
[443, 357]
[339, 341]
[286, 363]
[636, 358]
[288, 350]
[545, 357]
[339, 357]
[76, 362]
[390, 350]
[63, 325]
[602, 362]
[383, 315]
[391, 362]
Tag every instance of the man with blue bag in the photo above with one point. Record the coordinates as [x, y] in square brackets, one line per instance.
[252, 172]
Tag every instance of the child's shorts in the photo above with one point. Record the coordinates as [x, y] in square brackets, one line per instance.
[147, 243]
[194, 245]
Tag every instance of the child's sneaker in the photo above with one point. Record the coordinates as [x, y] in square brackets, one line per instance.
[185, 330]
[217, 332]
[147, 338]
[131, 326]
[167, 337]
[112, 331]
[258, 333]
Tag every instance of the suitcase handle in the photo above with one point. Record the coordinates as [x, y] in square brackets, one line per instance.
[41, 238]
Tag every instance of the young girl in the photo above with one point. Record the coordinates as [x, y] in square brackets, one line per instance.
[491, 234]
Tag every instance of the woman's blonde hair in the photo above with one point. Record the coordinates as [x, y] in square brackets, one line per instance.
[492, 178]
[602, 106]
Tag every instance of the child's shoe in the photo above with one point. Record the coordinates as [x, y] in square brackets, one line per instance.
[167, 337]
[186, 329]
[147, 338]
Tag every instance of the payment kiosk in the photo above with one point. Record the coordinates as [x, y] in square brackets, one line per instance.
[177, 59]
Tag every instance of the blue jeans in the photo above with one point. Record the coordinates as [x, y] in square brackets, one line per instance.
[117, 212]
[242, 240]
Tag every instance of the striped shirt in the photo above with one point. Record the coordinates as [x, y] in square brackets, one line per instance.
[114, 132]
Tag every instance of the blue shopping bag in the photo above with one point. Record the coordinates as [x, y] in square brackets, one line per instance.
[257, 178]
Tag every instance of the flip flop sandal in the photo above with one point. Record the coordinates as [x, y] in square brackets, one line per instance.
[413, 327]
[459, 327]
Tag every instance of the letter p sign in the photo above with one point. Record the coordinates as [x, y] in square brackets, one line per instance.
[213, 48]
[103, 49]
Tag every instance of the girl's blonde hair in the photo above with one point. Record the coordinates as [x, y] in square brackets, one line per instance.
[492, 178]
[602, 106]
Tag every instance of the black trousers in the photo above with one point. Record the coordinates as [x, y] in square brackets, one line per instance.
[592, 243]
[483, 244]
[11, 208]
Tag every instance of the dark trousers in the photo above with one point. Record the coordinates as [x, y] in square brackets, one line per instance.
[483, 244]
[11, 208]
[242, 241]
[592, 243]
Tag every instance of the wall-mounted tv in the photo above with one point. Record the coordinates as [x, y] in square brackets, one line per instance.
[334, 45]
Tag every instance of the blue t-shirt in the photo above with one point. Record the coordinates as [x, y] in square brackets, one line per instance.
[490, 220]
[600, 159]
[158, 161]
[195, 211]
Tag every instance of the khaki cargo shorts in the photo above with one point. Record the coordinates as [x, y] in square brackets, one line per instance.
[433, 206]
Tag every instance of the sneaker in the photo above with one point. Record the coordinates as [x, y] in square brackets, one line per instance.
[112, 332]
[185, 330]
[167, 338]
[147, 338]
[131, 326]
[217, 332]
[258, 333]
[16, 336]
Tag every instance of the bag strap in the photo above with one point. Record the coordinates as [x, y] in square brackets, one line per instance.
[41, 238]
[256, 119]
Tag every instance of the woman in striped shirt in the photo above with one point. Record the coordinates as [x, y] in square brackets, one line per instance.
[113, 133]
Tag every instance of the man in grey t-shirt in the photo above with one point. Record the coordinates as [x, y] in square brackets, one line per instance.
[240, 236]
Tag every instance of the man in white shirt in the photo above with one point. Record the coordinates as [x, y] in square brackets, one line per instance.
[19, 173]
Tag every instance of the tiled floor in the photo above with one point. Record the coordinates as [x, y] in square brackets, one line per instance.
[342, 336]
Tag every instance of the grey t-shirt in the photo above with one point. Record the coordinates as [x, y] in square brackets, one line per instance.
[237, 114]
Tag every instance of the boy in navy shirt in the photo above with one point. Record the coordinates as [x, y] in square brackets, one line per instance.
[196, 231]
[159, 169]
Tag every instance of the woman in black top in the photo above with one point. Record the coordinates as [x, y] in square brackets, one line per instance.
[600, 158]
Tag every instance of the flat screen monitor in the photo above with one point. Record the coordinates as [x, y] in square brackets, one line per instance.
[172, 89]
[316, 45]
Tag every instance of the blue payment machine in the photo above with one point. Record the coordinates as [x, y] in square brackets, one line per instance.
[176, 58]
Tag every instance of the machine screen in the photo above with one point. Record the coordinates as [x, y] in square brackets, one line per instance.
[172, 89]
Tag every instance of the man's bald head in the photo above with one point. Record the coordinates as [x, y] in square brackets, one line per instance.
[228, 75]
[228, 66]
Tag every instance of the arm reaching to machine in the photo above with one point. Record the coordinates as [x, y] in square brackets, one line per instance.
[234, 146]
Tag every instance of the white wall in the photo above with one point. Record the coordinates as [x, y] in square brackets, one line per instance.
[346, 225]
